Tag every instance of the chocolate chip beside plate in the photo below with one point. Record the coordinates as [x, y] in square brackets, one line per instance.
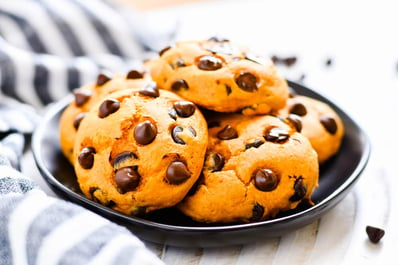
[86, 157]
[374, 233]
[265, 179]
[329, 124]
[227, 133]
[177, 173]
[247, 82]
[184, 108]
[107, 107]
[145, 132]
[126, 179]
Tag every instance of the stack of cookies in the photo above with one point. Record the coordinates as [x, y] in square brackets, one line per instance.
[207, 127]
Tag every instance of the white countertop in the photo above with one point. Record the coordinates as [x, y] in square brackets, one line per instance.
[360, 37]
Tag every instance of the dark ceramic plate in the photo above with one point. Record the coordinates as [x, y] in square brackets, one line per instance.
[170, 227]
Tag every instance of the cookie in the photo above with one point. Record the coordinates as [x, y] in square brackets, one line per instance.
[86, 96]
[220, 76]
[140, 150]
[255, 167]
[318, 122]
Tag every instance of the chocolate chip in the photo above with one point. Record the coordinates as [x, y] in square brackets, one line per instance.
[179, 84]
[265, 179]
[295, 121]
[228, 89]
[151, 90]
[276, 135]
[102, 79]
[218, 39]
[139, 211]
[209, 63]
[298, 109]
[179, 63]
[134, 74]
[288, 61]
[299, 190]
[329, 124]
[81, 96]
[107, 107]
[254, 143]
[127, 179]
[177, 173]
[174, 134]
[227, 133]
[216, 162]
[192, 130]
[184, 109]
[173, 114]
[257, 213]
[329, 61]
[122, 157]
[86, 157]
[374, 233]
[247, 82]
[162, 51]
[78, 119]
[145, 132]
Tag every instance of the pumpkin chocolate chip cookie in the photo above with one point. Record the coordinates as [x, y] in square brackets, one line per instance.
[140, 150]
[218, 75]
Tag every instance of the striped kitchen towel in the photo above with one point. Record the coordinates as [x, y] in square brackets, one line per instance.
[48, 48]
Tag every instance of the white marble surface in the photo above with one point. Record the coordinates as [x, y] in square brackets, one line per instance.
[360, 37]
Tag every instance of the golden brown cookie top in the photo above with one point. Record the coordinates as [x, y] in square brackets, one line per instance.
[221, 76]
[141, 149]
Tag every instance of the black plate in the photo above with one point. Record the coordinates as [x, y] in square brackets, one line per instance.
[170, 227]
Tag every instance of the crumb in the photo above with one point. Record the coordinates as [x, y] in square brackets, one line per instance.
[287, 61]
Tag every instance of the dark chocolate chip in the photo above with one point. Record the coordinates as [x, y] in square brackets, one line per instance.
[298, 109]
[126, 179]
[174, 134]
[329, 124]
[177, 173]
[218, 39]
[78, 119]
[145, 132]
[81, 96]
[254, 143]
[107, 107]
[173, 114]
[329, 62]
[209, 63]
[374, 233]
[86, 157]
[265, 179]
[102, 79]
[299, 190]
[134, 74]
[288, 61]
[139, 211]
[162, 51]
[120, 158]
[257, 213]
[247, 82]
[295, 120]
[276, 135]
[179, 84]
[180, 63]
[184, 108]
[227, 133]
[228, 89]
[151, 90]
[216, 162]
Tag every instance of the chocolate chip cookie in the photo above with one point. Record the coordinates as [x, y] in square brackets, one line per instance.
[317, 121]
[255, 167]
[86, 96]
[220, 76]
[140, 150]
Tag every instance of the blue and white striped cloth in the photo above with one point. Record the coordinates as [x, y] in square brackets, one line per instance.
[48, 48]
